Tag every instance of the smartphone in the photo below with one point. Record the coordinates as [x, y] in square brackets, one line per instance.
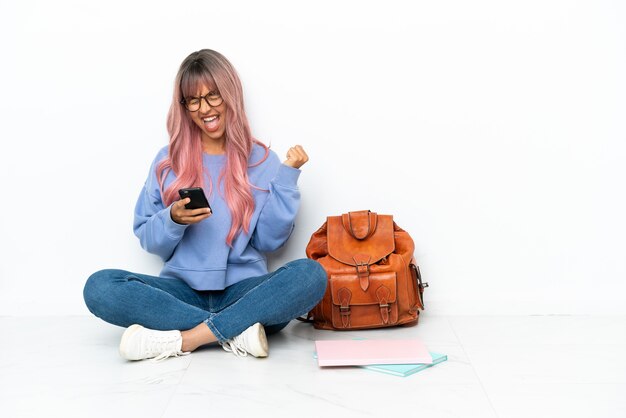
[198, 199]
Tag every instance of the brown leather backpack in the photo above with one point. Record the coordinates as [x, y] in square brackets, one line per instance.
[373, 279]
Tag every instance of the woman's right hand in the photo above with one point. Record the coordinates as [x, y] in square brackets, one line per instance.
[183, 216]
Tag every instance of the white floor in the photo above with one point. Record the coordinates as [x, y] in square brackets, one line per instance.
[499, 366]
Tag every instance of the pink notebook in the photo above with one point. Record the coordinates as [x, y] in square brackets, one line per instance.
[364, 352]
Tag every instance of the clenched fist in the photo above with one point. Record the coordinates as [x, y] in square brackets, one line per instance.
[296, 157]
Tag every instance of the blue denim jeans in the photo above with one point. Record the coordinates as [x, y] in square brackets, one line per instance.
[123, 298]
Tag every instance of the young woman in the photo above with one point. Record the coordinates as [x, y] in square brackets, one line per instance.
[214, 286]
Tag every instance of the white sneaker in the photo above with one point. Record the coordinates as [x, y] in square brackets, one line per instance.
[251, 341]
[140, 343]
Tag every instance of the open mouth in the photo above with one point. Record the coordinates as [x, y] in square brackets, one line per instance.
[211, 123]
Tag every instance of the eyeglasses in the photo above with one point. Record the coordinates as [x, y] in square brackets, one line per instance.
[193, 104]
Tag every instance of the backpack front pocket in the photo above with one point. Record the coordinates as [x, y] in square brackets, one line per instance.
[364, 304]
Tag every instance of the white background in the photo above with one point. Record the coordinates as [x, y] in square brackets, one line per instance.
[493, 131]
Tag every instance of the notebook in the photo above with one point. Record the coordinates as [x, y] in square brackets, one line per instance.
[367, 352]
[406, 369]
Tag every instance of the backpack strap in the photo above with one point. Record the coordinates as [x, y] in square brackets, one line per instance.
[362, 264]
[308, 319]
[383, 294]
[344, 295]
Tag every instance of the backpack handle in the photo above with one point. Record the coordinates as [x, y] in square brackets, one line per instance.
[360, 224]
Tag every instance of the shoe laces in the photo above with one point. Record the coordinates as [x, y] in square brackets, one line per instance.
[235, 346]
[164, 346]
[166, 354]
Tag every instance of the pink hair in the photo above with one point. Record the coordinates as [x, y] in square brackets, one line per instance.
[211, 69]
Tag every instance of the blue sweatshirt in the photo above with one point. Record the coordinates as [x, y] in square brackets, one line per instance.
[198, 253]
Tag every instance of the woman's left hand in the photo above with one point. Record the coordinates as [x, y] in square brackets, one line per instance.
[296, 157]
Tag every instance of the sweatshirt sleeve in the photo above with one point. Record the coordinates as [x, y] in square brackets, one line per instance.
[276, 219]
[153, 225]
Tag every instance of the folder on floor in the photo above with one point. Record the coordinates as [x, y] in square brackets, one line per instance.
[406, 369]
[369, 352]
